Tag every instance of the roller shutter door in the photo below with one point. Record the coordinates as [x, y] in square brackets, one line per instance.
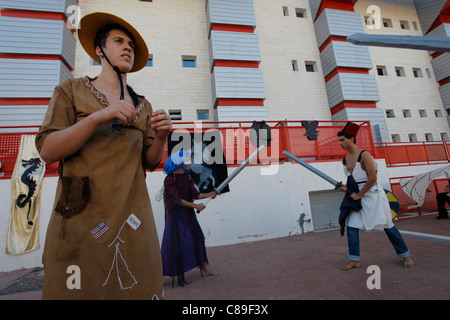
[325, 208]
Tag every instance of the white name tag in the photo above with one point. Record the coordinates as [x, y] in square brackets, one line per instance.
[133, 221]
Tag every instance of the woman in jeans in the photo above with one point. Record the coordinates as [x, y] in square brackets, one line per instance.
[375, 212]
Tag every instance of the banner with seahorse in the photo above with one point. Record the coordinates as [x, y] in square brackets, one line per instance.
[23, 229]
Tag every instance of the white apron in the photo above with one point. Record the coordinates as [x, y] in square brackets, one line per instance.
[375, 212]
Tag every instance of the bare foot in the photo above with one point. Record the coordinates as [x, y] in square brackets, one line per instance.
[351, 265]
[207, 271]
[408, 262]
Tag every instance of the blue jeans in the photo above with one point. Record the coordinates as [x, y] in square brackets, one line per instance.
[393, 234]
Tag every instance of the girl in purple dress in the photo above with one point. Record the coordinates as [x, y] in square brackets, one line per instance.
[183, 244]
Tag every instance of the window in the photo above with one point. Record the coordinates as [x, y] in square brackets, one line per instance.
[406, 113]
[428, 71]
[202, 114]
[438, 113]
[310, 66]
[387, 23]
[423, 113]
[412, 137]
[175, 114]
[382, 71]
[285, 12]
[395, 138]
[390, 113]
[417, 73]
[400, 72]
[415, 26]
[189, 61]
[300, 13]
[294, 65]
[150, 61]
[404, 24]
[444, 136]
[429, 137]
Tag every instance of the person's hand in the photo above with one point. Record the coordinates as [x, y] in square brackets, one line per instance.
[161, 123]
[212, 195]
[121, 110]
[355, 196]
[343, 188]
[199, 206]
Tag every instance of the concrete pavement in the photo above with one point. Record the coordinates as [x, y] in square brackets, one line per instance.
[304, 267]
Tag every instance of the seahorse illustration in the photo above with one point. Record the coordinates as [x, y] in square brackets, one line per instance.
[33, 164]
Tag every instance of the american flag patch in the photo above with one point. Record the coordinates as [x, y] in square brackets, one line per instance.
[99, 230]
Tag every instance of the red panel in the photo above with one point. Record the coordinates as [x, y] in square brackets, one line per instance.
[232, 28]
[446, 9]
[444, 81]
[353, 104]
[332, 38]
[33, 15]
[24, 102]
[236, 64]
[29, 56]
[435, 152]
[346, 5]
[240, 102]
[443, 18]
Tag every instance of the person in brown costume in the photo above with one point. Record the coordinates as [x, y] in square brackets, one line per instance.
[101, 240]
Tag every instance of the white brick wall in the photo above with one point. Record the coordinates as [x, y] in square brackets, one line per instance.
[171, 29]
[178, 27]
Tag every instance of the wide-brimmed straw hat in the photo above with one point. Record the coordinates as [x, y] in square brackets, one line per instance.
[92, 23]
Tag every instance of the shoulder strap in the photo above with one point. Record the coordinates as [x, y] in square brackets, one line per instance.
[359, 158]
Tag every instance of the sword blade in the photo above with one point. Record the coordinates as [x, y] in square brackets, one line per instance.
[335, 183]
[238, 170]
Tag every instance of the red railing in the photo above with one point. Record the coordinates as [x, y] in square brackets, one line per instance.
[236, 144]
[286, 135]
[428, 207]
[401, 153]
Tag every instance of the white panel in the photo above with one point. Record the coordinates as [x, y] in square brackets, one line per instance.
[314, 6]
[428, 11]
[352, 87]
[443, 30]
[23, 78]
[37, 36]
[334, 91]
[241, 113]
[344, 54]
[333, 22]
[374, 115]
[236, 12]
[445, 95]
[27, 115]
[38, 5]
[245, 83]
[235, 46]
[441, 66]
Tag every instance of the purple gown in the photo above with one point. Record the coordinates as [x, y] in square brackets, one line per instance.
[183, 243]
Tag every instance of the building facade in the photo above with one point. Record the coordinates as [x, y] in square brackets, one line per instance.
[244, 60]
